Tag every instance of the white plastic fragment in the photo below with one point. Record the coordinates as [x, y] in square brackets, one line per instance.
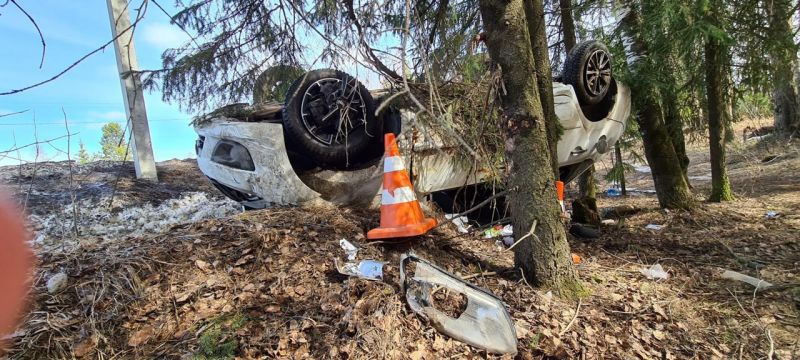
[56, 283]
[349, 249]
[508, 230]
[757, 283]
[654, 272]
[508, 240]
[460, 222]
[365, 269]
[772, 215]
[655, 227]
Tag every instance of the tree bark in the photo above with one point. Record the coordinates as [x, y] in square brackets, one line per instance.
[674, 125]
[783, 54]
[567, 24]
[618, 157]
[671, 187]
[717, 115]
[544, 257]
[534, 9]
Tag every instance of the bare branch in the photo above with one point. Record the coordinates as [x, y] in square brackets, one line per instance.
[41, 37]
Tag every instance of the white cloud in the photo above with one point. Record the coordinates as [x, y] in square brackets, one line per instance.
[164, 36]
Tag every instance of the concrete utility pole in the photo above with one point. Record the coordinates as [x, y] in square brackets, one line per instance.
[143, 159]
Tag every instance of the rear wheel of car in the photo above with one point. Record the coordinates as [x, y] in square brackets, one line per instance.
[329, 118]
[588, 69]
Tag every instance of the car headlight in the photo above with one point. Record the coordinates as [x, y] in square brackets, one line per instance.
[233, 154]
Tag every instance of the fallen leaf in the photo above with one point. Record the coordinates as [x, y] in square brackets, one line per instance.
[202, 265]
[84, 347]
[658, 334]
[140, 337]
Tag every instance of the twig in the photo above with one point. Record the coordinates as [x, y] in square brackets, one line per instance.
[41, 37]
[530, 233]
[71, 178]
[577, 309]
[74, 64]
[14, 113]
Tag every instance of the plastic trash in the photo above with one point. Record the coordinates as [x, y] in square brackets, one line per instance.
[772, 215]
[654, 272]
[365, 269]
[655, 227]
[349, 249]
[460, 222]
[613, 192]
[756, 282]
[508, 240]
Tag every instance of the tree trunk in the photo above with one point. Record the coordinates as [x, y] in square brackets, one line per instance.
[544, 257]
[784, 59]
[534, 9]
[674, 125]
[567, 24]
[671, 187]
[717, 116]
[618, 156]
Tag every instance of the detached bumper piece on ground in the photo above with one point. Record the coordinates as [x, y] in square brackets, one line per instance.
[485, 323]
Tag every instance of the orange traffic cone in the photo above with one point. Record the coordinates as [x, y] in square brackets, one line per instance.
[401, 215]
[560, 193]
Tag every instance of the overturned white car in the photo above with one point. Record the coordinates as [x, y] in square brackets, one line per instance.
[325, 142]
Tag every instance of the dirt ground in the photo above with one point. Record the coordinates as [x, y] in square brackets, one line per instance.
[263, 284]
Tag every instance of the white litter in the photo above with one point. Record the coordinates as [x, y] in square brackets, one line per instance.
[461, 222]
[508, 230]
[655, 227]
[772, 215]
[56, 283]
[757, 283]
[349, 249]
[365, 269]
[654, 272]
[508, 240]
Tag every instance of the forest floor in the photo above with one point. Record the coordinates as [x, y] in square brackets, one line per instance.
[174, 271]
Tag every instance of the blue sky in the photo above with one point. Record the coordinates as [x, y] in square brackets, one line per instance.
[90, 94]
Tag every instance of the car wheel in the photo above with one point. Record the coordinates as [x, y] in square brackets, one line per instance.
[273, 84]
[329, 117]
[588, 70]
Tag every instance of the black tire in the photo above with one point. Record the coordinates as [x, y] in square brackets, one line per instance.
[588, 69]
[273, 84]
[314, 119]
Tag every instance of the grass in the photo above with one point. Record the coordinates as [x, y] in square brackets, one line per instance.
[217, 342]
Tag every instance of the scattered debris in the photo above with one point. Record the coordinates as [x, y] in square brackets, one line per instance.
[613, 192]
[365, 269]
[619, 211]
[772, 215]
[644, 169]
[349, 249]
[508, 240]
[654, 272]
[498, 230]
[757, 283]
[655, 227]
[576, 259]
[57, 282]
[484, 323]
[461, 222]
[584, 231]
[609, 222]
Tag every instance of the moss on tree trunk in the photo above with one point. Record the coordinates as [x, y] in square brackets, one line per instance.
[545, 257]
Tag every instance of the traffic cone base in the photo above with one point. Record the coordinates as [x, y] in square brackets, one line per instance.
[402, 231]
